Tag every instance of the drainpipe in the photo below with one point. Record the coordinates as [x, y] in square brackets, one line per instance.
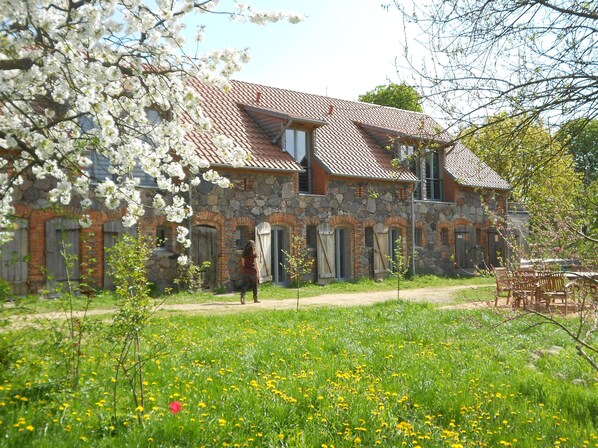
[190, 220]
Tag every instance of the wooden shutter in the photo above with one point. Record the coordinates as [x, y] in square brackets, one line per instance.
[263, 242]
[100, 166]
[326, 266]
[61, 235]
[145, 180]
[13, 264]
[380, 249]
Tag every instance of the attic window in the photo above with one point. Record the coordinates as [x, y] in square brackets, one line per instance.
[426, 167]
[297, 143]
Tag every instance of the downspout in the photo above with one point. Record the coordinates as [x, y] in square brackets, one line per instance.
[190, 220]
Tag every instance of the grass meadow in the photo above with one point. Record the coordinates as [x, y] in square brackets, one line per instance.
[396, 374]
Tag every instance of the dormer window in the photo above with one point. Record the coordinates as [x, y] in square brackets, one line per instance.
[100, 168]
[428, 170]
[297, 143]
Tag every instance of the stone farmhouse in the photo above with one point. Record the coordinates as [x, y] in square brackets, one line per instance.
[320, 168]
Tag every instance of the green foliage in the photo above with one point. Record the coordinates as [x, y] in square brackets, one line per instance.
[580, 137]
[127, 261]
[398, 264]
[400, 96]
[298, 262]
[190, 276]
[528, 157]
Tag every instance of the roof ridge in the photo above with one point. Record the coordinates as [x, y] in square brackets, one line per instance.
[371, 105]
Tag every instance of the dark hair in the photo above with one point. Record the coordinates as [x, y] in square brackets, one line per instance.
[249, 248]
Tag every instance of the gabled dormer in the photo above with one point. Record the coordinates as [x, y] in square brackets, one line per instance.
[294, 134]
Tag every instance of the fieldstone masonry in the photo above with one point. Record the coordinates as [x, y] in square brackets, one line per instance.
[266, 197]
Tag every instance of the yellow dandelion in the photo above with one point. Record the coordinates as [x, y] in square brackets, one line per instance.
[29, 428]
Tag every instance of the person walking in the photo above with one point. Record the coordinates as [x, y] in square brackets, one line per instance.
[249, 271]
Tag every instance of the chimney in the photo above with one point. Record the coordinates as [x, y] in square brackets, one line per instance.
[258, 97]
[330, 109]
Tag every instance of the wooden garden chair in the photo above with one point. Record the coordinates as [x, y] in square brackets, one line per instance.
[554, 286]
[503, 284]
[525, 287]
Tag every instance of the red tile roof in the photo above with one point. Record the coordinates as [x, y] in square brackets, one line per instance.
[345, 133]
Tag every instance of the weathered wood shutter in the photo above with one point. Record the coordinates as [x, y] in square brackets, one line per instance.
[99, 167]
[112, 232]
[145, 180]
[263, 242]
[380, 250]
[13, 264]
[62, 235]
[326, 265]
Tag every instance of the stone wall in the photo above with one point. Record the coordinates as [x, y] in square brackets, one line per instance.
[265, 197]
[355, 205]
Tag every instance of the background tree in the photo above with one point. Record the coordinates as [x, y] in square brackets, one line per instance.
[542, 174]
[298, 263]
[524, 153]
[80, 77]
[537, 59]
[580, 137]
[400, 96]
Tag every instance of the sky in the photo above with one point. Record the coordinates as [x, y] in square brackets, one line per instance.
[342, 49]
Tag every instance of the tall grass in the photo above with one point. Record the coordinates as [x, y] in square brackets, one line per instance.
[393, 374]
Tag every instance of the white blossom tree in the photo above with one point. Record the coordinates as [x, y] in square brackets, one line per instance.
[80, 77]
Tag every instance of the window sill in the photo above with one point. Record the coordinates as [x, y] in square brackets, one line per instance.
[312, 194]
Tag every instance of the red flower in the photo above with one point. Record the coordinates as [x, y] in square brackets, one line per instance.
[175, 407]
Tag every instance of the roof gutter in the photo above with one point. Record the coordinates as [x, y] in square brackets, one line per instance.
[257, 168]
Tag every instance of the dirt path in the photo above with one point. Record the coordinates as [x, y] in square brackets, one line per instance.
[442, 295]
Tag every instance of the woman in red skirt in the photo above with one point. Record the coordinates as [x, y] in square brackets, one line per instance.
[249, 271]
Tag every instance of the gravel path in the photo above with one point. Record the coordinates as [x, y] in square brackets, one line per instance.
[442, 295]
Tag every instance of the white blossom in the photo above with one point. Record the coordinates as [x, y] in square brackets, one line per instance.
[85, 220]
[91, 69]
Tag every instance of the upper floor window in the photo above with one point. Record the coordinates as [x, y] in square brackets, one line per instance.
[297, 143]
[426, 168]
[433, 180]
[101, 168]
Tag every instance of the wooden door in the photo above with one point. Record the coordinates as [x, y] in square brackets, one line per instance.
[464, 243]
[263, 243]
[204, 247]
[342, 254]
[62, 253]
[496, 248]
[13, 258]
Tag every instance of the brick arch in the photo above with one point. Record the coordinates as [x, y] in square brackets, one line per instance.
[286, 220]
[343, 220]
[204, 217]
